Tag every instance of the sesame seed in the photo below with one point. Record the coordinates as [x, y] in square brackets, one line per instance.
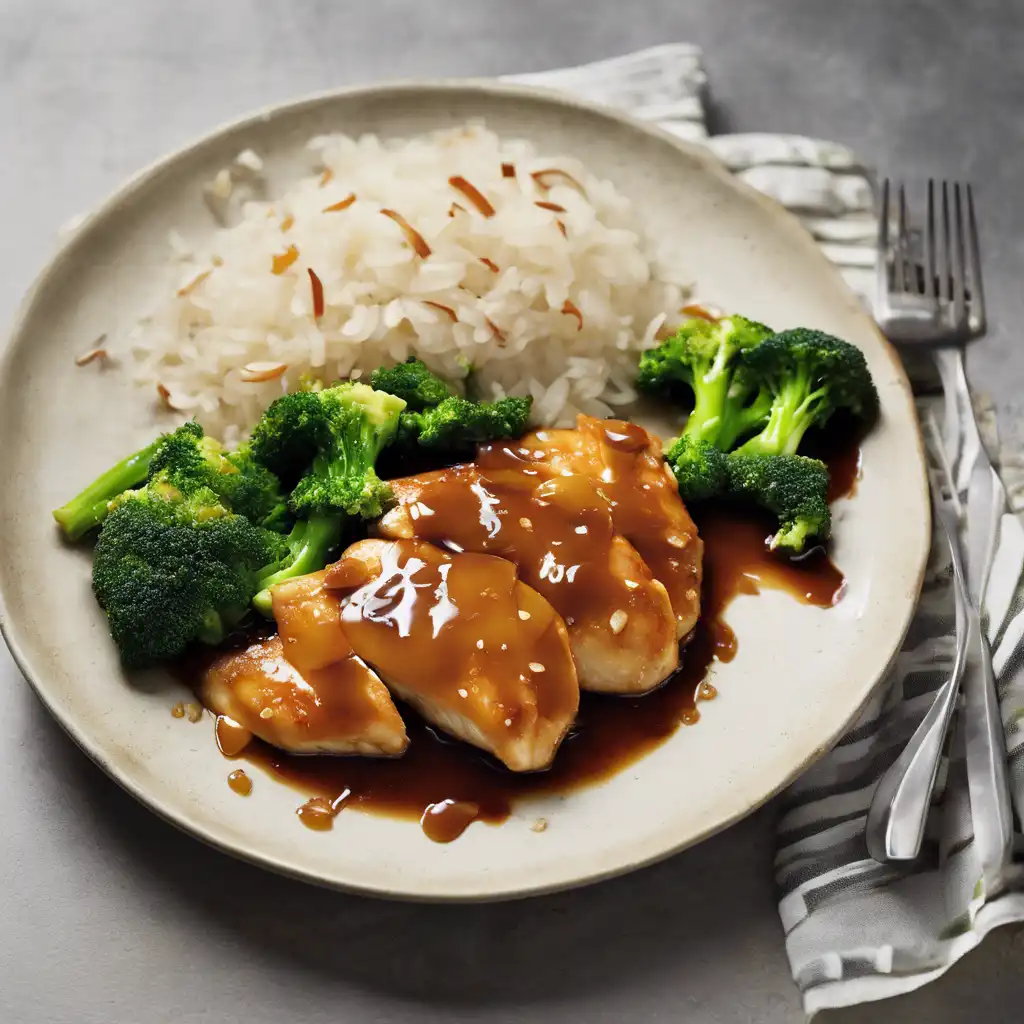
[540, 825]
[463, 693]
[581, 530]
[618, 621]
[675, 540]
[691, 595]
[266, 713]
[525, 523]
[536, 666]
[508, 721]
[178, 711]
[523, 615]
[479, 645]
[195, 712]
[632, 584]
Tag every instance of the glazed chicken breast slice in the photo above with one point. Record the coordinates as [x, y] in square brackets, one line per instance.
[646, 507]
[305, 690]
[558, 531]
[477, 652]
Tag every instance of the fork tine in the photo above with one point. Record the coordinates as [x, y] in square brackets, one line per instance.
[930, 241]
[901, 260]
[958, 284]
[973, 269]
[946, 266]
[882, 247]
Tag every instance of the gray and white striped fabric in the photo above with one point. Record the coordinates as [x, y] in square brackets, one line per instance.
[857, 930]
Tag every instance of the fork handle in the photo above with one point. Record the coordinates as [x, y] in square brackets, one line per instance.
[987, 775]
[901, 801]
[978, 485]
[984, 498]
[956, 421]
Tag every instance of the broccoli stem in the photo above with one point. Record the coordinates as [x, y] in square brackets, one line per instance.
[793, 411]
[310, 544]
[87, 510]
[710, 392]
[211, 629]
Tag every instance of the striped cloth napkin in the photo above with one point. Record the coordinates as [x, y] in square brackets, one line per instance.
[857, 930]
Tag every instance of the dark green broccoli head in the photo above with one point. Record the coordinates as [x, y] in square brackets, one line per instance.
[189, 460]
[412, 382]
[809, 375]
[251, 490]
[699, 468]
[457, 424]
[289, 434]
[704, 356]
[792, 487]
[169, 570]
[356, 423]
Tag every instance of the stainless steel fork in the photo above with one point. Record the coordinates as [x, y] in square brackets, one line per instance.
[934, 299]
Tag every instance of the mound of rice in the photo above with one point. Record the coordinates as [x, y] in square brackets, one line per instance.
[472, 252]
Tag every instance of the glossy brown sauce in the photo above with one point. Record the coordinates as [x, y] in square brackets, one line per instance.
[558, 531]
[448, 819]
[644, 501]
[446, 784]
[232, 738]
[303, 688]
[610, 733]
[592, 521]
[462, 637]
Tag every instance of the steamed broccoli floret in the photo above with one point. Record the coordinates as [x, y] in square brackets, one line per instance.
[809, 375]
[793, 487]
[289, 434]
[190, 460]
[699, 468]
[437, 419]
[356, 423]
[412, 382]
[705, 357]
[88, 509]
[169, 570]
[457, 424]
[329, 441]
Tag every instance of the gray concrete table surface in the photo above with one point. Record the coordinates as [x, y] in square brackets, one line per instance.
[110, 916]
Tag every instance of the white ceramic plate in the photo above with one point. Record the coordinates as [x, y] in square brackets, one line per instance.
[801, 673]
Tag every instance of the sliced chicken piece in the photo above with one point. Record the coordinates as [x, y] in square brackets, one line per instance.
[646, 507]
[558, 531]
[305, 690]
[475, 651]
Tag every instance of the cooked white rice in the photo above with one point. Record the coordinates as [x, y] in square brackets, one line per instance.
[578, 291]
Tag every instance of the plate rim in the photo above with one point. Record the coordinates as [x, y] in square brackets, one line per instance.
[795, 235]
